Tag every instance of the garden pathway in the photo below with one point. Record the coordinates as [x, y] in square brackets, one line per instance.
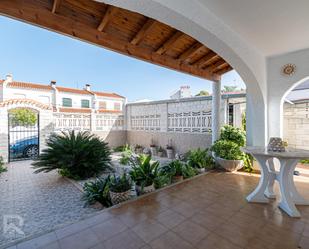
[42, 202]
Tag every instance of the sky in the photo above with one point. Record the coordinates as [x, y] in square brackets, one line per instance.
[33, 54]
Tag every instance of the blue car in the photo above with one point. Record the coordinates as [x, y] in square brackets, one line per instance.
[26, 147]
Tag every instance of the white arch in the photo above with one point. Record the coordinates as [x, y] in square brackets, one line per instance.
[196, 20]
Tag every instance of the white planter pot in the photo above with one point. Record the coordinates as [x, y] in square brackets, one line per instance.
[170, 154]
[117, 198]
[230, 165]
[160, 153]
[144, 190]
[201, 170]
[153, 151]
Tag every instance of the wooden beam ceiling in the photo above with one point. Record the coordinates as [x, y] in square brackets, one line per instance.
[170, 42]
[120, 30]
[191, 51]
[146, 29]
[56, 5]
[110, 11]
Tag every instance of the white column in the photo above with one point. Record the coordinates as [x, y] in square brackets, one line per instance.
[215, 111]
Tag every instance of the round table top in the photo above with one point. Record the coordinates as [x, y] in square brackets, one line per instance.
[289, 153]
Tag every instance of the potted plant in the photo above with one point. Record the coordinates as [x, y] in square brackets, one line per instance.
[138, 149]
[228, 155]
[200, 160]
[177, 171]
[144, 173]
[160, 152]
[120, 188]
[170, 150]
[153, 148]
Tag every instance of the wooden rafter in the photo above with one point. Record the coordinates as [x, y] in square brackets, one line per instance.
[110, 11]
[56, 5]
[126, 30]
[191, 51]
[217, 65]
[146, 29]
[224, 70]
[170, 42]
[209, 56]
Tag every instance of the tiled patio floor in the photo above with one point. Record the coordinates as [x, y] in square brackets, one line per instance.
[208, 212]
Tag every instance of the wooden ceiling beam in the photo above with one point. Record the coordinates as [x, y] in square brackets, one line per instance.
[142, 33]
[56, 5]
[169, 43]
[209, 56]
[191, 51]
[217, 65]
[35, 12]
[224, 70]
[110, 11]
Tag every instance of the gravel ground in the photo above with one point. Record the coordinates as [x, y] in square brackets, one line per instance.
[36, 203]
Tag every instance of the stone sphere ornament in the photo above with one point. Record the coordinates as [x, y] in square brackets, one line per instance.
[289, 69]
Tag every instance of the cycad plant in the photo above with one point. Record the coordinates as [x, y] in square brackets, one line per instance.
[144, 171]
[77, 155]
[200, 159]
[98, 190]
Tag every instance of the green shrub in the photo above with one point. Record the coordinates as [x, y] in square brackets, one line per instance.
[144, 172]
[2, 168]
[122, 148]
[120, 184]
[76, 155]
[98, 190]
[227, 150]
[126, 156]
[305, 161]
[233, 134]
[23, 117]
[200, 159]
[178, 168]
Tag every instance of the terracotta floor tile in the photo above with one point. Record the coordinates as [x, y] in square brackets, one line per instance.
[39, 242]
[170, 218]
[191, 232]
[186, 209]
[214, 241]
[170, 240]
[149, 230]
[207, 220]
[109, 228]
[304, 243]
[125, 240]
[81, 240]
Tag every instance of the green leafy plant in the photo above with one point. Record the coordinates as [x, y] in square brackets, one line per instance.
[76, 155]
[122, 148]
[97, 190]
[178, 168]
[161, 149]
[125, 156]
[233, 134]
[227, 150]
[144, 171]
[305, 161]
[23, 117]
[2, 168]
[200, 159]
[120, 184]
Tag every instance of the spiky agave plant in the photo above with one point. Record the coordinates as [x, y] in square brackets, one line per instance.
[78, 155]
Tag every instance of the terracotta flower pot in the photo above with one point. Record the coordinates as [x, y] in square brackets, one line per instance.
[119, 197]
[230, 165]
[177, 179]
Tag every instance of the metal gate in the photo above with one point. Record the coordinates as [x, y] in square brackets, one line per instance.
[23, 138]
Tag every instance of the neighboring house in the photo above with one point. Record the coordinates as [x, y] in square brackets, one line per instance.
[183, 92]
[62, 99]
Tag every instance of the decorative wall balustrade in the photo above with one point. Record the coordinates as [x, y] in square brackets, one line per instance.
[145, 122]
[106, 122]
[68, 121]
[195, 122]
[87, 122]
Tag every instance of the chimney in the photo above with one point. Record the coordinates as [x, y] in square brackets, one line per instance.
[87, 87]
[9, 78]
[53, 83]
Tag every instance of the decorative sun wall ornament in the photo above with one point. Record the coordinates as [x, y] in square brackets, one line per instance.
[289, 69]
